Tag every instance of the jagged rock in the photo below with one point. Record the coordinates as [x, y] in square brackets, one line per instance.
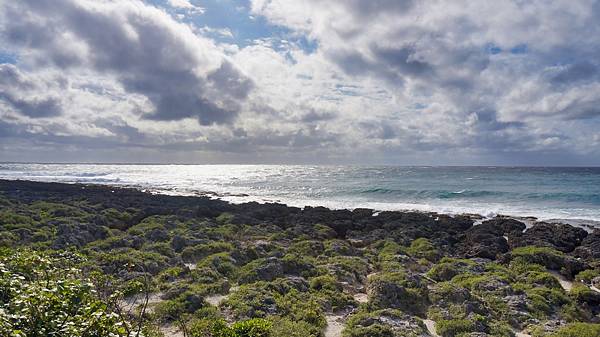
[559, 236]
[158, 235]
[193, 302]
[485, 240]
[596, 282]
[178, 243]
[448, 294]
[393, 322]
[137, 242]
[78, 235]
[507, 225]
[388, 293]
[268, 270]
[518, 308]
[283, 285]
[590, 246]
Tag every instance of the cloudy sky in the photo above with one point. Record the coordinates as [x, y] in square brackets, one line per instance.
[312, 81]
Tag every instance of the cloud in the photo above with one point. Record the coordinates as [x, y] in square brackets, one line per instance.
[27, 95]
[382, 81]
[183, 4]
[522, 69]
[148, 52]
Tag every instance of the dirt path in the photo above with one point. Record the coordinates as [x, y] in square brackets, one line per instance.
[566, 284]
[335, 325]
[216, 299]
[522, 334]
[430, 325]
[171, 331]
[131, 303]
[361, 297]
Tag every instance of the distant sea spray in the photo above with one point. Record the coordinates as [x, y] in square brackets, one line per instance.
[543, 192]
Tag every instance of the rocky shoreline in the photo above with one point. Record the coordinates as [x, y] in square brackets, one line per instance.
[316, 271]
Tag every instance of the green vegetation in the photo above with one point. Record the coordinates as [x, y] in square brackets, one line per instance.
[46, 295]
[578, 330]
[423, 248]
[104, 265]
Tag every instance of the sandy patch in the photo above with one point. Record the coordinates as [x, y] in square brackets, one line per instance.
[335, 325]
[430, 325]
[566, 284]
[215, 299]
[361, 297]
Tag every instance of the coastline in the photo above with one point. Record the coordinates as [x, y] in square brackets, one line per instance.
[568, 194]
[316, 271]
[243, 198]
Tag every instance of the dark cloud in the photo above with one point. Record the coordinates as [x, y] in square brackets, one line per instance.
[362, 8]
[141, 46]
[378, 130]
[23, 94]
[580, 71]
[313, 116]
[401, 59]
[32, 107]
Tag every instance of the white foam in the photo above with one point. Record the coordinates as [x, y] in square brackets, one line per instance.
[314, 186]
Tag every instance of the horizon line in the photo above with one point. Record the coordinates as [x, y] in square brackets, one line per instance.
[287, 164]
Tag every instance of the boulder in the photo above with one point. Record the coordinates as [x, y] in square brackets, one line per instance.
[263, 270]
[590, 246]
[559, 236]
[158, 235]
[78, 234]
[386, 322]
[506, 225]
[389, 293]
[485, 241]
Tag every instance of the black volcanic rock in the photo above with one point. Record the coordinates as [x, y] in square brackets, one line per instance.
[559, 236]
[78, 235]
[507, 225]
[590, 246]
[485, 240]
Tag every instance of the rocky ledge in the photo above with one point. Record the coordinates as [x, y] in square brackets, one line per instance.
[299, 270]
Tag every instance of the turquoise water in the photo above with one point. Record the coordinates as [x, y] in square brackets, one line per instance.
[546, 193]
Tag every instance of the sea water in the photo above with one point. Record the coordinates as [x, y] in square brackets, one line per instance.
[543, 192]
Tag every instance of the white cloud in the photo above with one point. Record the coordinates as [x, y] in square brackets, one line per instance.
[187, 5]
[387, 81]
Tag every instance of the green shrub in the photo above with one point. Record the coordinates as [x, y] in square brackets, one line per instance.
[224, 218]
[455, 327]
[325, 282]
[578, 330]
[41, 295]
[8, 219]
[587, 275]
[543, 301]
[250, 328]
[250, 301]
[283, 327]
[447, 268]
[423, 248]
[329, 292]
[307, 248]
[198, 252]
[583, 294]
[379, 323]
[545, 256]
[116, 219]
[223, 263]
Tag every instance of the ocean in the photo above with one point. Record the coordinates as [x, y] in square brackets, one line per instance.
[547, 193]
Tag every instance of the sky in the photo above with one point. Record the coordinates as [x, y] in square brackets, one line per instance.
[402, 82]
